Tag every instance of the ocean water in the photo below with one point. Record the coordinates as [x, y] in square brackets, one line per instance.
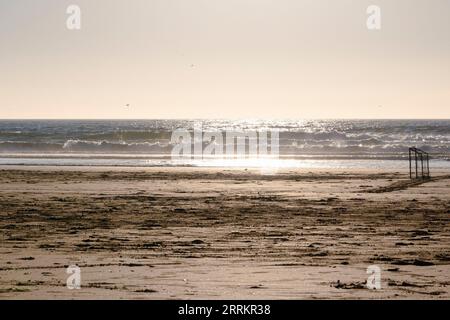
[302, 143]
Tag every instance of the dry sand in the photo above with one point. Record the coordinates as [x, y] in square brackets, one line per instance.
[170, 233]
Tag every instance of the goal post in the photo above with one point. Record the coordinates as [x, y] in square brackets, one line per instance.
[421, 167]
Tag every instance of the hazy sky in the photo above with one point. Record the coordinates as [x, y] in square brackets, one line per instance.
[224, 59]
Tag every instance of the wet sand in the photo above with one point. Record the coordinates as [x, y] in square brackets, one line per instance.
[199, 233]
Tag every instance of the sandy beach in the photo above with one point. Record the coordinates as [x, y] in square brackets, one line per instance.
[208, 233]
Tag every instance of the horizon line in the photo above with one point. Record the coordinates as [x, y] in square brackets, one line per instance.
[193, 119]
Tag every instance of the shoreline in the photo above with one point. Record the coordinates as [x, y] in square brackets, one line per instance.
[398, 172]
